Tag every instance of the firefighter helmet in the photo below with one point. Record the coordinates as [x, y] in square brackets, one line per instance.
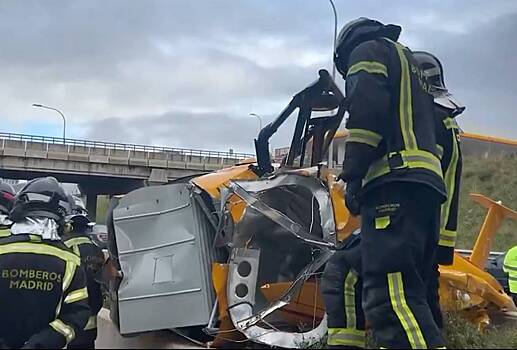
[78, 215]
[357, 32]
[6, 198]
[42, 197]
[433, 71]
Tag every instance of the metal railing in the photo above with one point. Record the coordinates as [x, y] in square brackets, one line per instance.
[122, 146]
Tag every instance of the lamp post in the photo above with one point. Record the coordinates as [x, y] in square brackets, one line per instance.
[331, 146]
[335, 38]
[60, 113]
[259, 118]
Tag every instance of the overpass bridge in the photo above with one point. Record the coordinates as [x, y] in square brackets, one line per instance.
[104, 167]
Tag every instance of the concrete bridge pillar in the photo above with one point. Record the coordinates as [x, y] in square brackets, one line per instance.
[91, 205]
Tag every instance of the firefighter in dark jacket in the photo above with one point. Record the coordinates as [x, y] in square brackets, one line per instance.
[6, 204]
[92, 259]
[340, 309]
[394, 180]
[44, 299]
[448, 142]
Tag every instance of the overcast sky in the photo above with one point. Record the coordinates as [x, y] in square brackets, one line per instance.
[188, 73]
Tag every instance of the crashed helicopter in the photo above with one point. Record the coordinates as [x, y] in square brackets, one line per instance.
[239, 252]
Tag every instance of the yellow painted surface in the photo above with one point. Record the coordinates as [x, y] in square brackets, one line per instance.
[307, 306]
[214, 182]
[345, 222]
[496, 213]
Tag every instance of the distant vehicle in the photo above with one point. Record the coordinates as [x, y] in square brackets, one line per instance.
[99, 235]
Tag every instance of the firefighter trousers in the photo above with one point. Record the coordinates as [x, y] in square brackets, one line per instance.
[342, 294]
[84, 340]
[400, 231]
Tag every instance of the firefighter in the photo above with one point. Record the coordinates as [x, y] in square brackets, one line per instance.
[6, 204]
[394, 180]
[92, 259]
[448, 141]
[342, 289]
[334, 280]
[510, 267]
[44, 299]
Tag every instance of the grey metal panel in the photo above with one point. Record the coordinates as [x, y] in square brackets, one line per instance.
[164, 259]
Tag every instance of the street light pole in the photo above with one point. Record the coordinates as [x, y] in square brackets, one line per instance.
[259, 118]
[57, 110]
[331, 146]
[335, 39]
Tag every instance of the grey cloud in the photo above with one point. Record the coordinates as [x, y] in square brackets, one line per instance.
[169, 67]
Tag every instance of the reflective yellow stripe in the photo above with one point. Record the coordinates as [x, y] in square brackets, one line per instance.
[508, 268]
[77, 241]
[346, 337]
[76, 295]
[405, 105]
[67, 331]
[440, 151]
[382, 222]
[349, 291]
[364, 136]
[5, 233]
[450, 185]
[39, 248]
[448, 238]
[92, 323]
[411, 159]
[368, 67]
[69, 275]
[404, 314]
[450, 123]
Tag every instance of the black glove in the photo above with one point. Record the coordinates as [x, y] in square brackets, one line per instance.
[351, 202]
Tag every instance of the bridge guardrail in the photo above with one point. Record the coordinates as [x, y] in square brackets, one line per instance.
[123, 146]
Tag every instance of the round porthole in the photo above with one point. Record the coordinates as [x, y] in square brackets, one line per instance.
[244, 269]
[241, 290]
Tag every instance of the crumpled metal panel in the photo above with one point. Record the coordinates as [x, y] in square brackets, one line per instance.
[277, 239]
[164, 257]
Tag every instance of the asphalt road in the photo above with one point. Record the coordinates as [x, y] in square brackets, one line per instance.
[109, 338]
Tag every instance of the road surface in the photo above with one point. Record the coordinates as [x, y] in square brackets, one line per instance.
[109, 338]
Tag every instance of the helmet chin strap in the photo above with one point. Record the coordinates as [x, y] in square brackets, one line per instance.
[47, 228]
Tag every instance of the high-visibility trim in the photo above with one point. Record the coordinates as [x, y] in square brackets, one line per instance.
[364, 136]
[404, 313]
[69, 275]
[346, 337]
[406, 103]
[38, 248]
[371, 67]
[439, 148]
[92, 323]
[411, 159]
[5, 233]
[65, 330]
[450, 183]
[450, 123]
[77, 241]
[508, 268]
[76, 295]
[349, 294]
[382, 222]
[448, 238]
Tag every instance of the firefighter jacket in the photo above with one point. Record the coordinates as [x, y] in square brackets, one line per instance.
[448, 141]
[510, 267]
[44, 296]
[92, 259]
[391, 119]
